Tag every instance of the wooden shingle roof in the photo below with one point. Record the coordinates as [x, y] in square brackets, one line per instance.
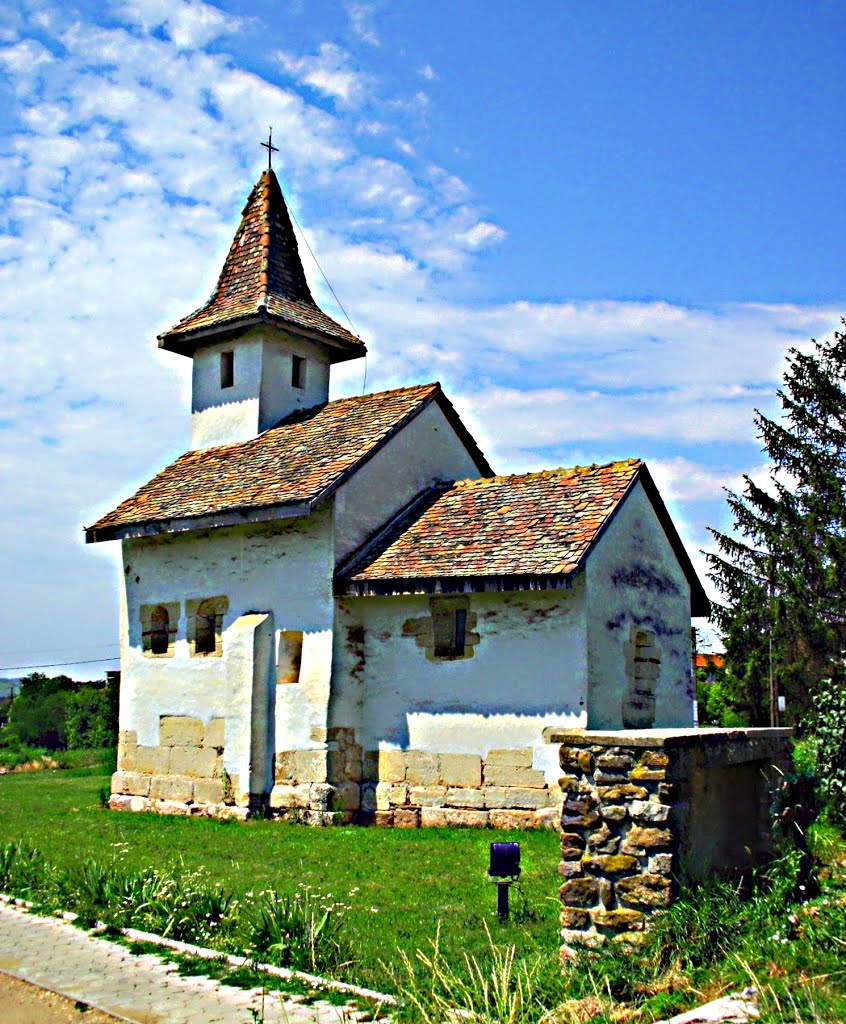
[263, 281]
[288, 469]
[533, 529]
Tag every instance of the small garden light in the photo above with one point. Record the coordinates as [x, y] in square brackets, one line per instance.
[505, 870]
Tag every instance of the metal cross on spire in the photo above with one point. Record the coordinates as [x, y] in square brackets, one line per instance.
[271, 149]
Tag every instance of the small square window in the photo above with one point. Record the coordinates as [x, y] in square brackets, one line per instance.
[227, 369]
[298, 372]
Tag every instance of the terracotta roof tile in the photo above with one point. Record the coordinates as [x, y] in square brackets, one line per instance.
[293, 462]
[532, 524]
[263, 275]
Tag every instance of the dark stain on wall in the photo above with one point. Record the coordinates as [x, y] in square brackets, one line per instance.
[644, 577]
[356, 646]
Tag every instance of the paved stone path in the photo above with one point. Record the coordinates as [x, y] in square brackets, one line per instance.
[140, 989]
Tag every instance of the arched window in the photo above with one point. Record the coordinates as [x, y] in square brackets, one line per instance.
[205, 628]
[159, 630]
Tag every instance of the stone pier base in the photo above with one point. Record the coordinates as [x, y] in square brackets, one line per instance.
[646, 811]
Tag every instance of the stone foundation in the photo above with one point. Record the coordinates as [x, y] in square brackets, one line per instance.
[184, 774]
[648, 810]
[338, 781]
[412, 788]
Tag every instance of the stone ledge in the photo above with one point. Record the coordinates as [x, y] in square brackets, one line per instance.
[753, 742]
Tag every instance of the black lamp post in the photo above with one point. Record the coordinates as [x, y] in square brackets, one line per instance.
[505, 869]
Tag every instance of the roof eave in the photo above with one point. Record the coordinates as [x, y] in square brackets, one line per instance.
[446, 585]
[208, 521]
[184, 342]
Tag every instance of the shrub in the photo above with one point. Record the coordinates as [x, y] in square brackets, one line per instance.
[830, 728]
[299, 931]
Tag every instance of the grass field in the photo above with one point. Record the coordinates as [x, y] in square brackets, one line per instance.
[407, 881]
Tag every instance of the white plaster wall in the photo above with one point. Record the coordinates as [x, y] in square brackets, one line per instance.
[528, 671]
[284, 569]
[427, 450]
[633, 579]
[261, 394]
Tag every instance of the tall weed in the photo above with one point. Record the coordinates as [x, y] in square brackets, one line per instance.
[300, 931]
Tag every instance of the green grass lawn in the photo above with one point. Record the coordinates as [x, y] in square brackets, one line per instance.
[407, 880]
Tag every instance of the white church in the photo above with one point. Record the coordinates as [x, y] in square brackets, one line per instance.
[335, 610]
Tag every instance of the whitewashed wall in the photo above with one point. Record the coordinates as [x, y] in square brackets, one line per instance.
[284, 568]
[633, 579]
[261, 394]
[528, 671]
[427, 450]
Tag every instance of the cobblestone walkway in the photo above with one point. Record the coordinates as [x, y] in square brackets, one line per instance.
[141, 989]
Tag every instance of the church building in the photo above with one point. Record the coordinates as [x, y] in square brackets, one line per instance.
[336, 610]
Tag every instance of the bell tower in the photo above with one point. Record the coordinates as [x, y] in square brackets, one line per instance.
[261, 347]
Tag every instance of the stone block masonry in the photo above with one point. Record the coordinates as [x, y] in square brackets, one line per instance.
[412, 788]
[646, 811]
[184, 774]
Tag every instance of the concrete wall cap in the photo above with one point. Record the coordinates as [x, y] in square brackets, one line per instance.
[660, 737]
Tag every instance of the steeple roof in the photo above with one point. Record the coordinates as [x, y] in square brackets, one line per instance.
[263, 281]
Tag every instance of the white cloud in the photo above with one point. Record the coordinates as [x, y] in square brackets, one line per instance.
[427, 72]
[481, 234]
[189, 23]
[328, 72]
[361, 17]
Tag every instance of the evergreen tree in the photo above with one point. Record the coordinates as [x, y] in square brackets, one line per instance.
[781, 573]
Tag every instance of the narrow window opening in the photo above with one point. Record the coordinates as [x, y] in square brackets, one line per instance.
[227, 369]
[159, 630]
[205, 629]
[450, 629]
[289, 657]
[298, 371]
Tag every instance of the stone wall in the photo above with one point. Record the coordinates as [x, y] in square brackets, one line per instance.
[412, 788]
[647, 811]
[183, 774]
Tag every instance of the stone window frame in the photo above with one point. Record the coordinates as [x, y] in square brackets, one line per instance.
[424, 629]
[643, 670]
[289, 657]
[145, 613]
[218, 606]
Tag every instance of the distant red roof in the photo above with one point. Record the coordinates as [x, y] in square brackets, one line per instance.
[302, 460]
[539, 525]
[710, 660]
[263, 281]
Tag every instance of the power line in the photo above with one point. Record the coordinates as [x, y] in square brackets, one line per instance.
[57, 664]
[325, 278]
[56, 650]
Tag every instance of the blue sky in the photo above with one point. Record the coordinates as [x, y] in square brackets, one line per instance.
[600, 226]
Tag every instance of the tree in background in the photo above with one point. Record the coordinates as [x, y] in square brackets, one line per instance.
[58, 713]
[781, 571]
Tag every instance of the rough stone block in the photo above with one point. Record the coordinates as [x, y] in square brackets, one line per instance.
[647, 774]
[510, 775]
[320, 796]
[639, 839]
[644, 890]
[462, 770]
[427, 796]
[579, 892]
[215, 734]
[208, 791]
[603, 840]
[610, 864]
[466, 818]
[613, 812]
[422, 768]
[347, 797]
[626, 791]
[368, 797]
[571, 869]
[646, 810]
[661, 864]
[129, 737]
[654, 759]
[136, 784]
[310, 766]
[152, 760]
[180, 731]
[391, 766]
[614, 761]
[283, 766]
[174, 788]
[175, 807]
[474, 798]
[433, 817]
[569, 820]
[195, 762]
[390, 794]
[383, 819]
[591, 940]
[406, 817]
[621, 918]
[119, 802]
[520, 758]
[508, 819]
[287, 796]
[572, 845]
[572, 917]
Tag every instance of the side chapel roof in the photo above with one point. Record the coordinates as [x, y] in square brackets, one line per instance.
[263, 281]
[534, 529]
[287, 470]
